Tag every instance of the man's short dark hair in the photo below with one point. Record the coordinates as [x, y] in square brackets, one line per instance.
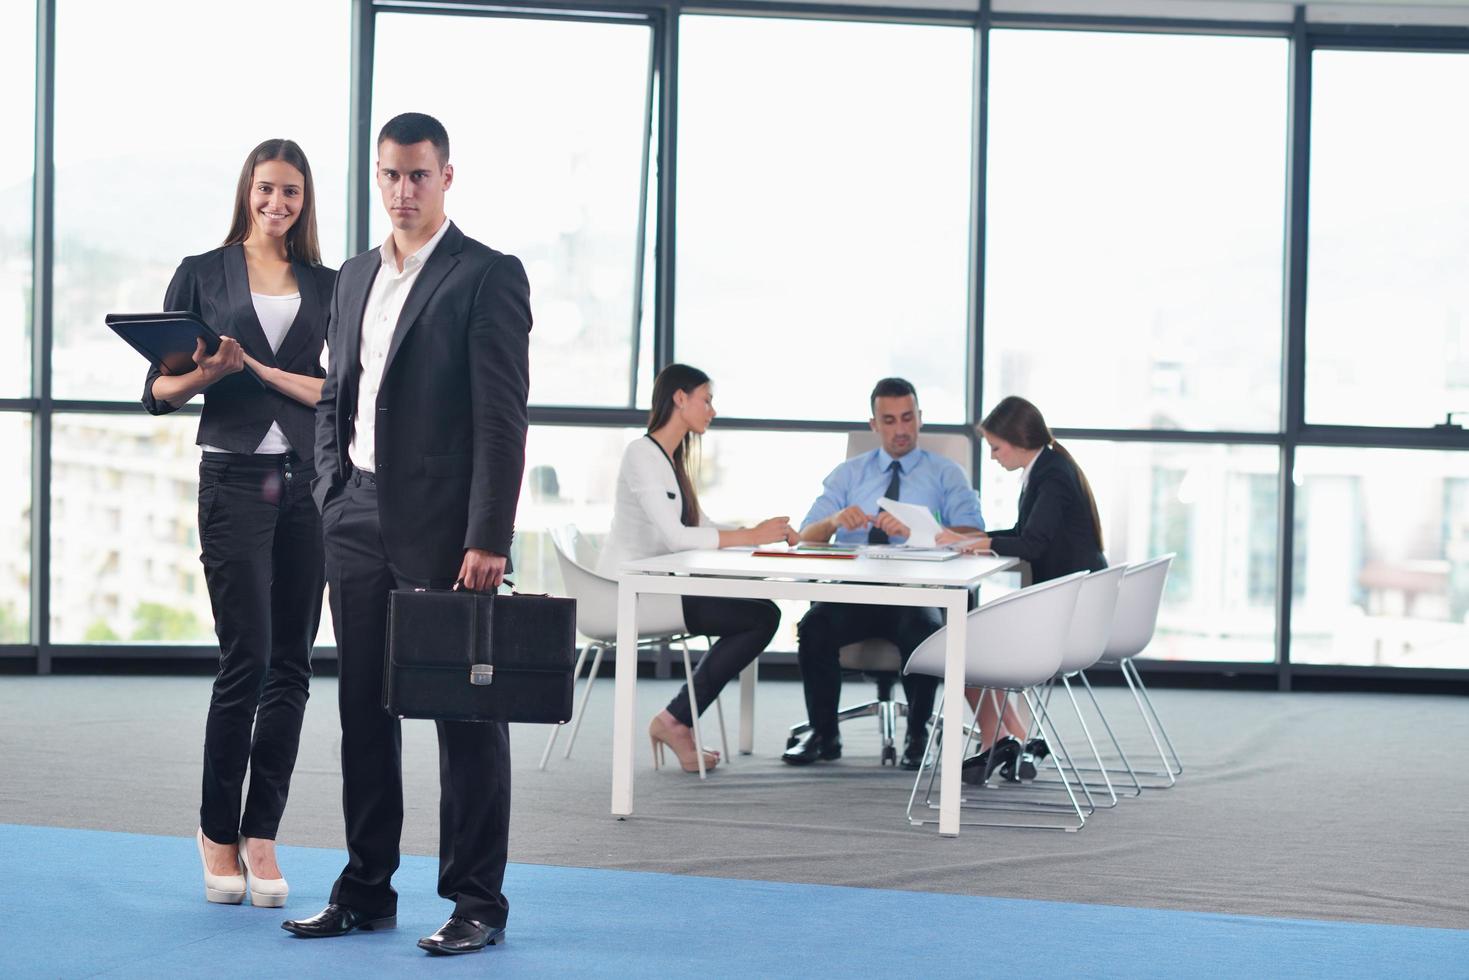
[415, 127]
[892, 388]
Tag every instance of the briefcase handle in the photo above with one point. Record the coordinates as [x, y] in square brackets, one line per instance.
[505, 581]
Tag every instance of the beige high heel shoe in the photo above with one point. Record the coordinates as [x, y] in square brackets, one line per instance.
[223, 889]
[658, 736]
[265, 893]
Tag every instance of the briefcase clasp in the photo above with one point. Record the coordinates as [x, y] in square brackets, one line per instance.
[481, 674]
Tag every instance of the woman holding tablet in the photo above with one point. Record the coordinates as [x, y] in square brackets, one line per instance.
[267, 294]
[656, 513]
[1059, 531]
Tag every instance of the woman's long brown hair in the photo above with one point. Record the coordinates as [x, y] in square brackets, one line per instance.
[1021, 424]
[301, 243]
[678, 377]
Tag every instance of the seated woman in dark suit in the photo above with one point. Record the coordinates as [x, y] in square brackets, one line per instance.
[1059, 531]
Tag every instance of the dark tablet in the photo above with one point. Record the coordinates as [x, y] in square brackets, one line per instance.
[167, 339]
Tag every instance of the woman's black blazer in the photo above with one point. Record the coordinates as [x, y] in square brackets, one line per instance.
[237, 411]
[1055, 531]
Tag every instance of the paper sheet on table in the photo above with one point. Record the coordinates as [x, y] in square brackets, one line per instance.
[920, 521]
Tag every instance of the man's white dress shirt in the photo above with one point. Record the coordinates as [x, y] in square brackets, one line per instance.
[379, 321]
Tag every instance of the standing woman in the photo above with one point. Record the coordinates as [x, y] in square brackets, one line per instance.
[656, 513]
[267, 294]
[1059, 531]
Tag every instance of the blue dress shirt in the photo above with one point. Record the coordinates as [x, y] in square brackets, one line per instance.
[933, 481]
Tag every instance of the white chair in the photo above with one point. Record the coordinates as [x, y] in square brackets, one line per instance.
[1138, 602]
[596, 619]
[1091, 627]
[1015, 644]
[877, 658]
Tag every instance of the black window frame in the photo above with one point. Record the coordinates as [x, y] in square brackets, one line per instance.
[1306, 37]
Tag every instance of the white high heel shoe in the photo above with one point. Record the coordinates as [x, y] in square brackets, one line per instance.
[265, 893]
[224, 889]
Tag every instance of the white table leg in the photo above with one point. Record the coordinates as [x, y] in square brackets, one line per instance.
[748, 677]
[953, 744]
[624, 698]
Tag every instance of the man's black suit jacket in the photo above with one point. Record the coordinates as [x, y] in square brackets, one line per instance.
[1054, 531]
[451, 409]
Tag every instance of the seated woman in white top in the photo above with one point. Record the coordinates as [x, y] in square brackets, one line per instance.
[657, 513]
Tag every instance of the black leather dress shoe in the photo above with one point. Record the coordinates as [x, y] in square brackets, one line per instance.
[813, 746]
[461, 935]
[337, 920]
[913, 751]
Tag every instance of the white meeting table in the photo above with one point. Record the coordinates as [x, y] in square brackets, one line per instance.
[739, 574]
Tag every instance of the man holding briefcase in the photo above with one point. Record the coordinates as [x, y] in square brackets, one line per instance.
[420, 446]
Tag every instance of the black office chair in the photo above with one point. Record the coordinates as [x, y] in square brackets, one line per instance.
[879, 661]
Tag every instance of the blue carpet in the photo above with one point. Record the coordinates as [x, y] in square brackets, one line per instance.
[77, 903]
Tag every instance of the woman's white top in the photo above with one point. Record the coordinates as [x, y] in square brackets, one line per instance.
[276, 314]
[647, 520]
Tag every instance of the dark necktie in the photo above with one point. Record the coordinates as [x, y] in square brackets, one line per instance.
[877, 535]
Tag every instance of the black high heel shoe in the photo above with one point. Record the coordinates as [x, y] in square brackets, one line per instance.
[1002, 755]
[1027, 769]
[1035, 750]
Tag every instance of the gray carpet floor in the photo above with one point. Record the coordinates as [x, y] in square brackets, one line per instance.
[1334, 806]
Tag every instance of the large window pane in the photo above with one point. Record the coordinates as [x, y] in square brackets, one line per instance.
[746, 477]
[1387, 314]
[1382, 558]
[124, 531]
[545, 124]
[571, 478]
[17, 120]
[1215, 507]
[1134, 228]
[155, 112]
[823, 202]
[15, 529]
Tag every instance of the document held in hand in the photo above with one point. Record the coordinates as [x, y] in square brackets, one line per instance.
[922, 526]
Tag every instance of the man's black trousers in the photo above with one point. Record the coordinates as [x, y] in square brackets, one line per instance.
[474, 758]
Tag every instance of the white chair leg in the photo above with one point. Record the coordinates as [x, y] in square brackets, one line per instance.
[1142, 710]
[1042, 717]
[688, 672]
[1086, 730]
[719, 708]
[581, 658]
[1137, 787]
[586, 697]
[928, 753]
[1001, 706]
[723, 736]
[1065, 754]
[1177, 767]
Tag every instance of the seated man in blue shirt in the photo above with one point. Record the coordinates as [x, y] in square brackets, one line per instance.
[847, 508]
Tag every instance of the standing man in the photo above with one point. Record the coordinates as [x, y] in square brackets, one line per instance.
[420, 445]
[847, 507]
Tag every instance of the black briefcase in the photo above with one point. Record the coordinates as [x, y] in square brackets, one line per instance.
[478, 656]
